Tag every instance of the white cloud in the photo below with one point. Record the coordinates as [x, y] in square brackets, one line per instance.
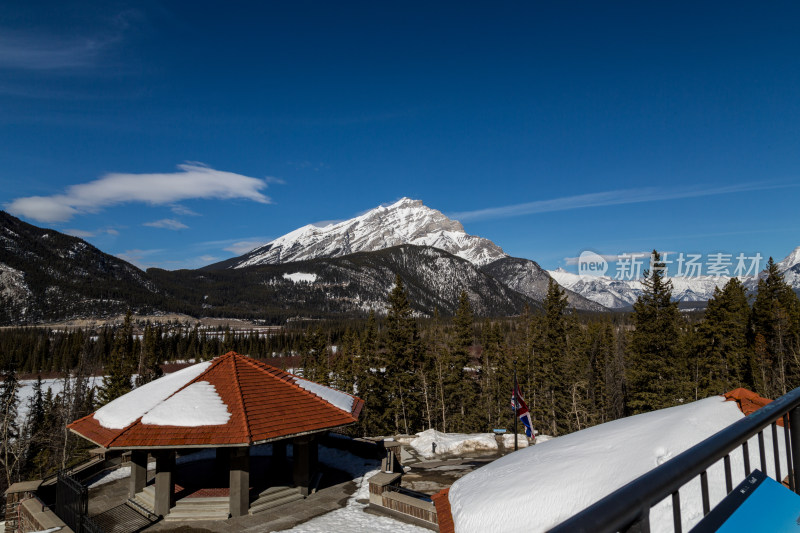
[138, 257]
[166, 223]
[208, 258]
[607, 198]
[179, 209]
[192, 181]
[242, 247]
[83, 234]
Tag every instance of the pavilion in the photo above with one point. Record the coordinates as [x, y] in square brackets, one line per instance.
[228, 404]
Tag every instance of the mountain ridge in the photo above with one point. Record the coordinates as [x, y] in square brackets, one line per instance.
[406, 221]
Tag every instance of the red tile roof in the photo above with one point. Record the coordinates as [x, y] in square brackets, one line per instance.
[265, 404]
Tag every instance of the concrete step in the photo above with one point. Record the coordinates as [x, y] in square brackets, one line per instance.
[278, 489]
[191, 509]
[275, 499]
[212, 502]
[146, 498]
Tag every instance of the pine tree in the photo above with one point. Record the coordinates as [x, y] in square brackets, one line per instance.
[10, 453]
[403, 350]
[371, 383]
[776, 318]
[554, 374]
[722, 360]
[119, 372]
[461, 389]
[656, 368]
[150, 358]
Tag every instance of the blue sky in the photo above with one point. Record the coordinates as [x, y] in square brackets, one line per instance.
[176, 134]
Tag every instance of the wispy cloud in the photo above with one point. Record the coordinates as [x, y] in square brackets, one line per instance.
[323, 223]
[607, 198]
[84, 234]
[166, 223]
[139, 257]
[179, 209]
[242, 247]
[191, 181]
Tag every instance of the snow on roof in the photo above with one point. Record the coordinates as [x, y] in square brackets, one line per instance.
[196, 405]
[123, 411]
[232, 400]
[537, 488]
[334, 397]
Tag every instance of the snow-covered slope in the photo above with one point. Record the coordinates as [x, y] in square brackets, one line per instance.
[404, 222]
[790, 268]
[541, 486]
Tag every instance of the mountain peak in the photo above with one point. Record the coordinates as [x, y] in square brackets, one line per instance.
[406, 221]
[790, 260]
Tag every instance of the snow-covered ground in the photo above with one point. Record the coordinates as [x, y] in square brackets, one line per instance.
[537, 488]
[55, 384]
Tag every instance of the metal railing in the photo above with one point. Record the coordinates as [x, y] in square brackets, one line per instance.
[628, 508]
[72, 501]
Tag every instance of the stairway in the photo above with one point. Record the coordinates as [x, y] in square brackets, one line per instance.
[189, 509]
[274, 497]
[145, 501]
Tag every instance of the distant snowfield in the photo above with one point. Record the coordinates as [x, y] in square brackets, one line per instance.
[537, 488]
[56, 385]
[300, 277]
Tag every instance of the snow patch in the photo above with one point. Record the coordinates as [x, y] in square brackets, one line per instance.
[123, 411]
[196, 405]
[300, 277]
[332, 396]
[522, 441]
[453, 443]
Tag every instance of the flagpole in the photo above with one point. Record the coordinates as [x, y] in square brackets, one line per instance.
[514, 394]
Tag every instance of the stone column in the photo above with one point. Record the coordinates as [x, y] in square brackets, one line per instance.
[222, 464]
[239, 481]
[278, 462]
[305, 452]
[165, 481]
[138, 472]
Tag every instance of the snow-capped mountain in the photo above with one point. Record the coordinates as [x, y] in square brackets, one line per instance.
[790, 268]
[528, 278]
[617, 294]
[406, 221]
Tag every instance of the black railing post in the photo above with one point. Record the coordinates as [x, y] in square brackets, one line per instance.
[794, 433]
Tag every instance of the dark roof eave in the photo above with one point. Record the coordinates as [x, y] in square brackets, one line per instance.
[227, 445]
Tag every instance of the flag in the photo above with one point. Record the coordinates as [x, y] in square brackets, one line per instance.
[521, 409]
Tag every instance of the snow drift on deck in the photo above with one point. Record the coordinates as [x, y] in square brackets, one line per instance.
[537, 488]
